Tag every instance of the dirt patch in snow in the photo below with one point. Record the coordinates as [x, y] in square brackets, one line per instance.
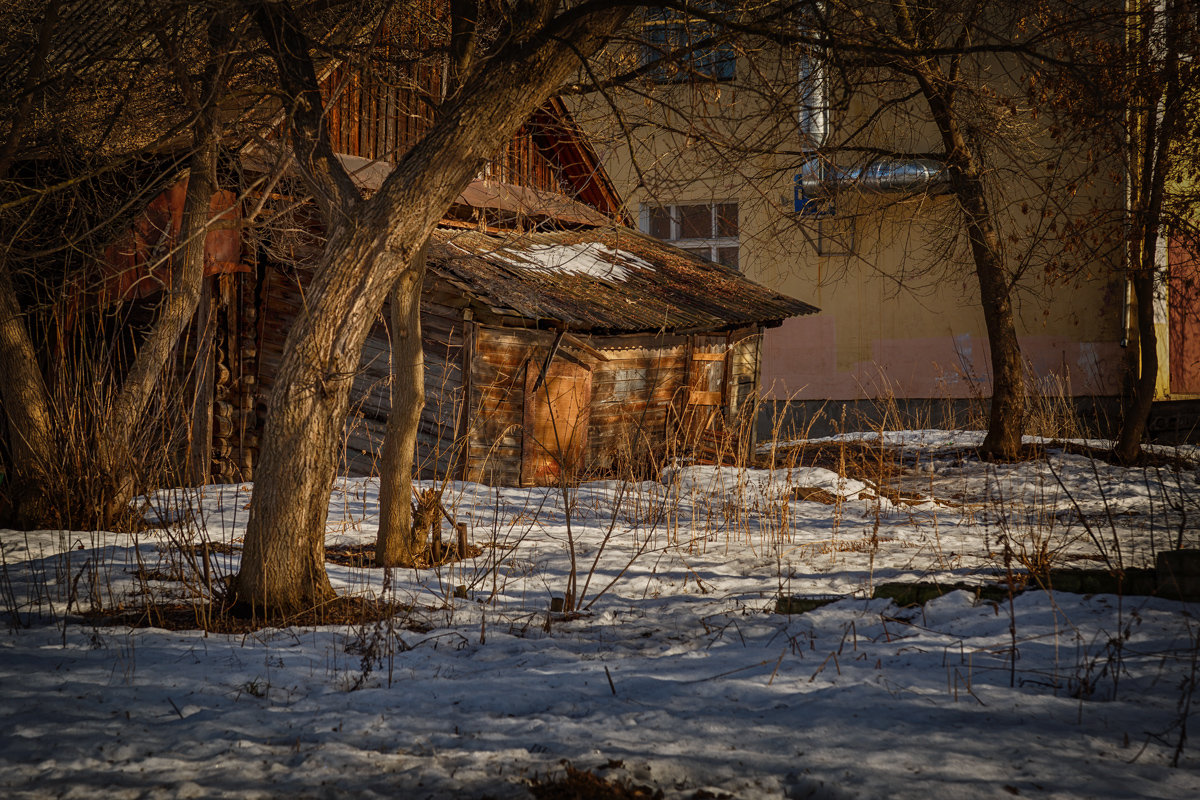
[578, 784]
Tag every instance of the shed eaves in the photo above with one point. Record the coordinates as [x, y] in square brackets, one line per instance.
[604, 280]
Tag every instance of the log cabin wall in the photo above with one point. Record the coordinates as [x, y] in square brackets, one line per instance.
[638, 391]
[216, 361]
[439, 444]
[234, 353]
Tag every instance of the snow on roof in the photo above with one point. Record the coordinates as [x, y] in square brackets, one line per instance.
[593, 259]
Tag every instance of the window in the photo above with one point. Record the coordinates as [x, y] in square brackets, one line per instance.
[710, 230]
[668, 30]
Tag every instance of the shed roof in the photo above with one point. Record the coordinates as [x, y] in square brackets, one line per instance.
[604, 280]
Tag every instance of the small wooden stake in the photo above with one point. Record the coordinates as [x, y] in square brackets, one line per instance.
[462, 539]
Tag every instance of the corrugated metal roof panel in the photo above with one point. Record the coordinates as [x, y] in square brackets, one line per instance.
[610, 279]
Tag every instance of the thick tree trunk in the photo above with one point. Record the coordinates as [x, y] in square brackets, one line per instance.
[283, 562]
[369, 244]
[1006, 421]
[399, 542]
[27, 406]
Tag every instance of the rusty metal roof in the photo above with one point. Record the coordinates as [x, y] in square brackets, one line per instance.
[603, 280]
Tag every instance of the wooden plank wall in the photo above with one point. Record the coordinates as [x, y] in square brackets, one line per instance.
[497, 401]
[633, 397]
[637, 394]
[370, 398]
[378, 110]
[522, 163]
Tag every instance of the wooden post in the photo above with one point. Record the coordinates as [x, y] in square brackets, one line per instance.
[200, 456]
[462, 539]
[727, 368]
[464, 424]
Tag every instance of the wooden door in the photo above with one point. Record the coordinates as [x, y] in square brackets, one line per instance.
[557, 412]
[702, 424]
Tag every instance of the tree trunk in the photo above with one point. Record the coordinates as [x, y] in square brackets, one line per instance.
[400, 542]
[369, 244]
[117, 455]
[26, 402]
[1156, 128]
[1007, 418]
[1006, 421]
[27, 406]
[283, 562]
[1133, 421]
[199, 454]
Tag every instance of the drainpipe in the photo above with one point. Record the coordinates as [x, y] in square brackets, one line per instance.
[814, 103]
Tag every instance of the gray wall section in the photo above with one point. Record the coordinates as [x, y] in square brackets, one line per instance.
[1175, 422]
[799, 419]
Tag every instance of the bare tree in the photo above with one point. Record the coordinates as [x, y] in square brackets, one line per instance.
[372, 242]
[52, 76]
[938, 92]
[1160, 135]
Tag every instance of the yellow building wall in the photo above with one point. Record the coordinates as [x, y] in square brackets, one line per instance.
[900, 308]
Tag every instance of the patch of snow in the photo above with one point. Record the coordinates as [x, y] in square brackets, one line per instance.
[590, 258]
[677, 674]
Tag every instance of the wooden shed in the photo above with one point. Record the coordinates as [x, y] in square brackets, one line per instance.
[585, 351]
[556, 338]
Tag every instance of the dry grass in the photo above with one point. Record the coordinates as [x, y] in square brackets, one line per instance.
[578, 784]
[185, 616]
[363, 556]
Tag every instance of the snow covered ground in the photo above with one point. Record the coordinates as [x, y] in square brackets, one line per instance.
[677, 674]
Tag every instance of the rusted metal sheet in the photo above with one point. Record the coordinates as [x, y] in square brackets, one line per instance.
[143, 260]
[1183, 298]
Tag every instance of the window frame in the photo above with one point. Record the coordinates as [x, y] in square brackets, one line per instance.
[716, 62]
[713, 243]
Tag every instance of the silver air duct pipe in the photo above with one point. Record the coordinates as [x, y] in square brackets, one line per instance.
[818, 180]
[883, 176]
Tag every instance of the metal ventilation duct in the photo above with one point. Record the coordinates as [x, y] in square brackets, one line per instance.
[818, 178]
[819, 181]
